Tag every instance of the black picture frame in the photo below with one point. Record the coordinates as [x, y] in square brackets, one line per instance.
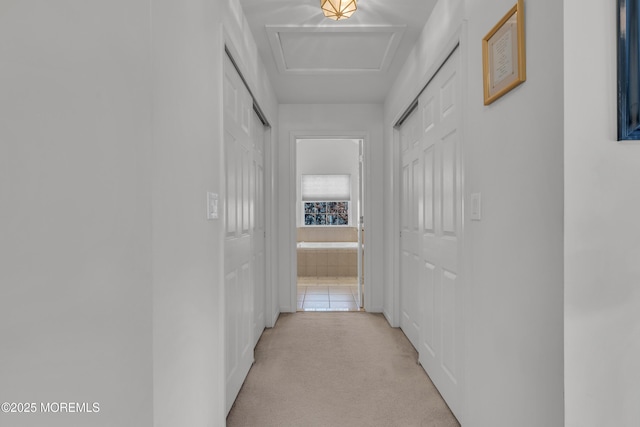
[628, 70]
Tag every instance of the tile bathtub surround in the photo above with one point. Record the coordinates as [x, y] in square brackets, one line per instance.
[327, 262]
[328, 234]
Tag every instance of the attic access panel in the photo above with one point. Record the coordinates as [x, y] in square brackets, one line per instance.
[334, 50]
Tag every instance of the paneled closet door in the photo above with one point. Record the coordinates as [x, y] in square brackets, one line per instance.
[411, 205]
[239, 256]
[441, 289]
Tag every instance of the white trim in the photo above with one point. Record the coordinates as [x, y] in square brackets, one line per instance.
[394, 316]
[292, 229]
[292, 245]
[222, 313]
[270, 243]
[466, 262]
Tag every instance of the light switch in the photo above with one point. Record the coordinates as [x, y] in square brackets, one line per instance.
[212, 206]
[476, 207]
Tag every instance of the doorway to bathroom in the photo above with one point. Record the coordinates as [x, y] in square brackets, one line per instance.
[329, 224]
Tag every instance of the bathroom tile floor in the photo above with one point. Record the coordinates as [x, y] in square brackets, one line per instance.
[327, 294]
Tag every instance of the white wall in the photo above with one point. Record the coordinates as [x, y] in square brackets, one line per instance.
[329, 157]
[513, 155]
[602, 249]
[323, 120]
[75, 207]
[110, 137]
[188, 155]
[188, 328]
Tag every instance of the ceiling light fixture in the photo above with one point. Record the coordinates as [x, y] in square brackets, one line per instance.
[338, 9]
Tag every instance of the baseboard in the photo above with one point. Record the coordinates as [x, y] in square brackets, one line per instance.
[286, 310]
[275, 319]
[389, 318]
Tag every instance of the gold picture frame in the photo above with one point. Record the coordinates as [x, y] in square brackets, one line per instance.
[503, 55]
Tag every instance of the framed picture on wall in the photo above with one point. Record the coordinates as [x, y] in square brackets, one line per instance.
[628, 71]
[503, 55]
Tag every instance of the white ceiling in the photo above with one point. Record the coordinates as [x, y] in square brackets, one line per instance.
[312, 59]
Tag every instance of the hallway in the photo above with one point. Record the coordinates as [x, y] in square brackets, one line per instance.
[148, 212]
[337, 369]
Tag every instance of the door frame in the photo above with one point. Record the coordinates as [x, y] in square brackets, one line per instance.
[294, 136]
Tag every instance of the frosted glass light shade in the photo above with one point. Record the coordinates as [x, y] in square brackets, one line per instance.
[338, 9]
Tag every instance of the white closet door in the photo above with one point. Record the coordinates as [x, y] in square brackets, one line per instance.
[441, 290]
[239, 231]
[411, 205]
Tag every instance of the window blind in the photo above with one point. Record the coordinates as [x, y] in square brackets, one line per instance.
[320, 188]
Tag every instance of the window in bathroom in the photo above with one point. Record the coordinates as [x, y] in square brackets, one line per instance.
[325, 199]
[326, 213]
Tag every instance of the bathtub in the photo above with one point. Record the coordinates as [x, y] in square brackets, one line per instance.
[327, 245]
[327, 259]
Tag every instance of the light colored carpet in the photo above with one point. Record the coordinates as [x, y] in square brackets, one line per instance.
[337, 369]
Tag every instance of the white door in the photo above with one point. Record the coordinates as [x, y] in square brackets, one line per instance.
[239, 231]
[258, 224]
[441, 290]
[411, 206]
[360, 221]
